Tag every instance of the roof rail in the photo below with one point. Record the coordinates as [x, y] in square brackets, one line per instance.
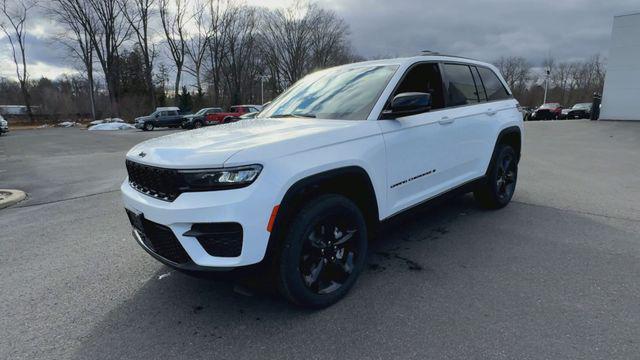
[429, 52]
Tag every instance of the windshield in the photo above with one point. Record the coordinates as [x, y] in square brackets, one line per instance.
[339, 93]
[201, 111]
[582, 106]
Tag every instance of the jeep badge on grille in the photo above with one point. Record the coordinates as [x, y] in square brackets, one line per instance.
[142, 154]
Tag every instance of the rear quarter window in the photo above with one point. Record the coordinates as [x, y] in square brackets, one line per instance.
[493, 86]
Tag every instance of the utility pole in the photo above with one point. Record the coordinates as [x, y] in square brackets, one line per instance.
[262, 79]
[546, 83]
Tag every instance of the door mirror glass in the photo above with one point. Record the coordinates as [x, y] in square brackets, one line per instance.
[409, 103]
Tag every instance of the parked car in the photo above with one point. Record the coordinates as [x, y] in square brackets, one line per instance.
[198, 120]
[548, 111]
[162, 117]
[526, 112]
[563, 114]
[246, 116]
[234, 112]
[580, 111]
[4, 126]
[299, 193]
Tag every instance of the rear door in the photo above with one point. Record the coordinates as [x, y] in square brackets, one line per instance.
[470, 128]
[498, 108]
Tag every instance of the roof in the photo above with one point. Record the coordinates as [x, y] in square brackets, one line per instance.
[627, 14]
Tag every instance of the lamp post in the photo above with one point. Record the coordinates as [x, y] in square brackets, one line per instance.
[546, 83]
[262, 79]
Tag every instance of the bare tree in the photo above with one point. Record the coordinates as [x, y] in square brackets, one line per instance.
[16, 16]
[138, 14]
[516, 71]
[241, 47]
[173, 23]
[198, 43]
[219, 17]
[299, 39]
[77, 40]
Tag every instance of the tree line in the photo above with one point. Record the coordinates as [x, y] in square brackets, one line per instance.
[569, 82]
[134, 55]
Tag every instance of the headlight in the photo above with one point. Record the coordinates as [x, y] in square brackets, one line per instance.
[220, 179]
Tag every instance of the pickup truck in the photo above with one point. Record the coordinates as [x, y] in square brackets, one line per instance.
[233, 113]
[162, 117]
[299, 190]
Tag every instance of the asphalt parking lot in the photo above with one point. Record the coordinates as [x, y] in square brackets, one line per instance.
[555, 275]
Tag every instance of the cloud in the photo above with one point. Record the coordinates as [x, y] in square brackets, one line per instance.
[566, 29]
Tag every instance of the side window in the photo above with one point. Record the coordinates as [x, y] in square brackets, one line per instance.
[476, 78]
[492, 85]
[424, 78]
[163, 113]
[173, 113]
[460, 85]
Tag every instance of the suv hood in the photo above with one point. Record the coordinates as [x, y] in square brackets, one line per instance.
[211, 147]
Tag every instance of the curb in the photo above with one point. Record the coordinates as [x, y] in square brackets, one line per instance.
[10, 197]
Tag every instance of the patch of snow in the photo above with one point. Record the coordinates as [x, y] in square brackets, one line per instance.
[112, 126]
[107, 120]
[67, 124]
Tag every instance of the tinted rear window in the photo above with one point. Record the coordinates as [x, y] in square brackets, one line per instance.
[460, 85]
[492, 85]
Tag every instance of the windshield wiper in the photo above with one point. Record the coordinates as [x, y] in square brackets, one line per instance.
[298, 115]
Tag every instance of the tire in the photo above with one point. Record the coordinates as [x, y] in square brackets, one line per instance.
[316, 267]
[148, 126]
[226, 120]
[497, 189]
[198, 124]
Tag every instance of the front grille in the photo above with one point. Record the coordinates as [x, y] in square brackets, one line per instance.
[218, 239]
[159, 239]
[163, 184]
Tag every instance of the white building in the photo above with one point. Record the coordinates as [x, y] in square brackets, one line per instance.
[621, 94]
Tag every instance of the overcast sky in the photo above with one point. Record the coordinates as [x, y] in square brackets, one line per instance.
[483, 29]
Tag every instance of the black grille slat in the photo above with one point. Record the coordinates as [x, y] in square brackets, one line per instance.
[163, 184]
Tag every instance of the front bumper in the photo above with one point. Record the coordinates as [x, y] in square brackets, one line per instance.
[4, 129]
[139, 125]
[249, 207]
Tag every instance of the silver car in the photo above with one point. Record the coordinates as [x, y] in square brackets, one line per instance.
[4, 125]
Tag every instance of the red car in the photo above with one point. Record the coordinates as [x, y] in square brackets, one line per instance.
[234, 113]
[548, 111]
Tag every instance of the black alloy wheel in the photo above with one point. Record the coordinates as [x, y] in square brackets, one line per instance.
[499, 185]
[328, 254]
[506, 177]
[323, 252]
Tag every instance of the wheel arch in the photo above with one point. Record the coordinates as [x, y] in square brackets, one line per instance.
[511, 136]
[352, 182]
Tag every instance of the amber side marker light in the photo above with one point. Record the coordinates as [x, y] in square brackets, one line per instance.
[272, 218]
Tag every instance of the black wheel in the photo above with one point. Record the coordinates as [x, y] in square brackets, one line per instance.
[323, 252]
[497, 189]
[197, 124]
[147, 127]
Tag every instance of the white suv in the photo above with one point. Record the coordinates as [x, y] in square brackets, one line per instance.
[301, 187]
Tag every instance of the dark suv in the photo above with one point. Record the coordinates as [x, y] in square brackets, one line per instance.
[162, 117]
[198, 119]
[580, 111]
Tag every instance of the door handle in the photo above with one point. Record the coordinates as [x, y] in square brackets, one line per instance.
[491, 112]
[445, 120]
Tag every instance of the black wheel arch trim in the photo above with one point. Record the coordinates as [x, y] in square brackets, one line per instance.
[504, 133]
[306, 187]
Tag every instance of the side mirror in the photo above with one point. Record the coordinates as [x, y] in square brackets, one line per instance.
[409, 103]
